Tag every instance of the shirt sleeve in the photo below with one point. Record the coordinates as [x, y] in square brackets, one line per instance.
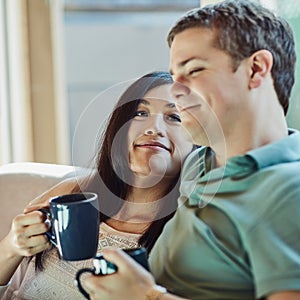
[3, 289]
[13, 286]
[274, 247]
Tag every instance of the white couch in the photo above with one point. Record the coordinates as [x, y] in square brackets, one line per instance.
[22, 182]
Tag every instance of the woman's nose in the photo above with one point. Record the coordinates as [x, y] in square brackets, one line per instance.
[156, 126]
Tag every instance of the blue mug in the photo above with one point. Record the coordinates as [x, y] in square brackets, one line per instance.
[75, 223]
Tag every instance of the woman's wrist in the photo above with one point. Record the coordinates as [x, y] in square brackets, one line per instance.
[9, 261]
[8, 252]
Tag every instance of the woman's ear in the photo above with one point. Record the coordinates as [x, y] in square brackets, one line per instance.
[261, 65]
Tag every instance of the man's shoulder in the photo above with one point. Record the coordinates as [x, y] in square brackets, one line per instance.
[192, 170]
[286, 173]
[194, 159]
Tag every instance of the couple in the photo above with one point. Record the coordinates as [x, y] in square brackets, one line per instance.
[235, 232]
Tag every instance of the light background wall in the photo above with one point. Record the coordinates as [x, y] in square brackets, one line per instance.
[103, 50]
[54, 63]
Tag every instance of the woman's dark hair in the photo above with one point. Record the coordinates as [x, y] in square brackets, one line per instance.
[113, 166]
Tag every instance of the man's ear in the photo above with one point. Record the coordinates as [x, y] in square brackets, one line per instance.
[261, 64]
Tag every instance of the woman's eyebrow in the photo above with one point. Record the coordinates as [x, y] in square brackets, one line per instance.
[145, 102]
[171, 105]
[168, 105]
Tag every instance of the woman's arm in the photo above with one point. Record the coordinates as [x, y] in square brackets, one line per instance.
[61, 188]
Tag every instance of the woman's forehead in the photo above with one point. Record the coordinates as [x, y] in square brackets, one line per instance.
[160, 95]
[156, 102]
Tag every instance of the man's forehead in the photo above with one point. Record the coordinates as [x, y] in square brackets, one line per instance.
[190, 45]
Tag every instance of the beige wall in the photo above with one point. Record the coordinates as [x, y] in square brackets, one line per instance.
[41, 81]
[36, 84]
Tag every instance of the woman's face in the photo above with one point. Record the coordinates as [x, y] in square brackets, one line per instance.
[157, 145]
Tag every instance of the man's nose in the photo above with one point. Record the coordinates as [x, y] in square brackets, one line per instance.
[179, 90]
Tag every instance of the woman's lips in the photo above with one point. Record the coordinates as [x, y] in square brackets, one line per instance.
[153, 145]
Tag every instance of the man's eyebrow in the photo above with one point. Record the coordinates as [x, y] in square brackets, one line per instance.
[183, 63]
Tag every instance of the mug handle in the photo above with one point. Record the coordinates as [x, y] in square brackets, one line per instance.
[78, 283]
[51, 237]
[102, 267]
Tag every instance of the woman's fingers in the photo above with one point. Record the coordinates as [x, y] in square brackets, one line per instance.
[34, 207]
[23, 220]
[28, 233]
[30, 251]
[32, 241]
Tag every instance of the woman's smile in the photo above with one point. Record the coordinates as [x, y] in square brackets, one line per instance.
[153, 145]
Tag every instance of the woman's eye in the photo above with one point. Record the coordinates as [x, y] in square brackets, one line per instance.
[174, 118]
[141, 113]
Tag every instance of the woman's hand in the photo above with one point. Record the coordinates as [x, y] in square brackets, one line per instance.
[27, 234]
[25, 238]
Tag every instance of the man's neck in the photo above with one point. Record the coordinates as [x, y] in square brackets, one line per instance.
[246, 139]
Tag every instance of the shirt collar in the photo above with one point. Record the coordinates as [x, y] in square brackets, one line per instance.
[282, 151]
[213, 180]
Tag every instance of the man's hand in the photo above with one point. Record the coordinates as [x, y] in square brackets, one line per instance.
[131, 281]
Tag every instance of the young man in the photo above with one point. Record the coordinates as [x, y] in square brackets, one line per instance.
[236, 233]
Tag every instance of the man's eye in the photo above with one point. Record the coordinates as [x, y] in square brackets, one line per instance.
[174, 118]
[194, 71]
[141, 113]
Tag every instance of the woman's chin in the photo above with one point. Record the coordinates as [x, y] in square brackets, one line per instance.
[153, 178]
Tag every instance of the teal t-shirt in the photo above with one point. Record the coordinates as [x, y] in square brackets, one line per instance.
[236, 232]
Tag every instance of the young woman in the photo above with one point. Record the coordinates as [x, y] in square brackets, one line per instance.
[138, 169]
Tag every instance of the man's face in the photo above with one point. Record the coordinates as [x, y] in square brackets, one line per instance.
[209, 95]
